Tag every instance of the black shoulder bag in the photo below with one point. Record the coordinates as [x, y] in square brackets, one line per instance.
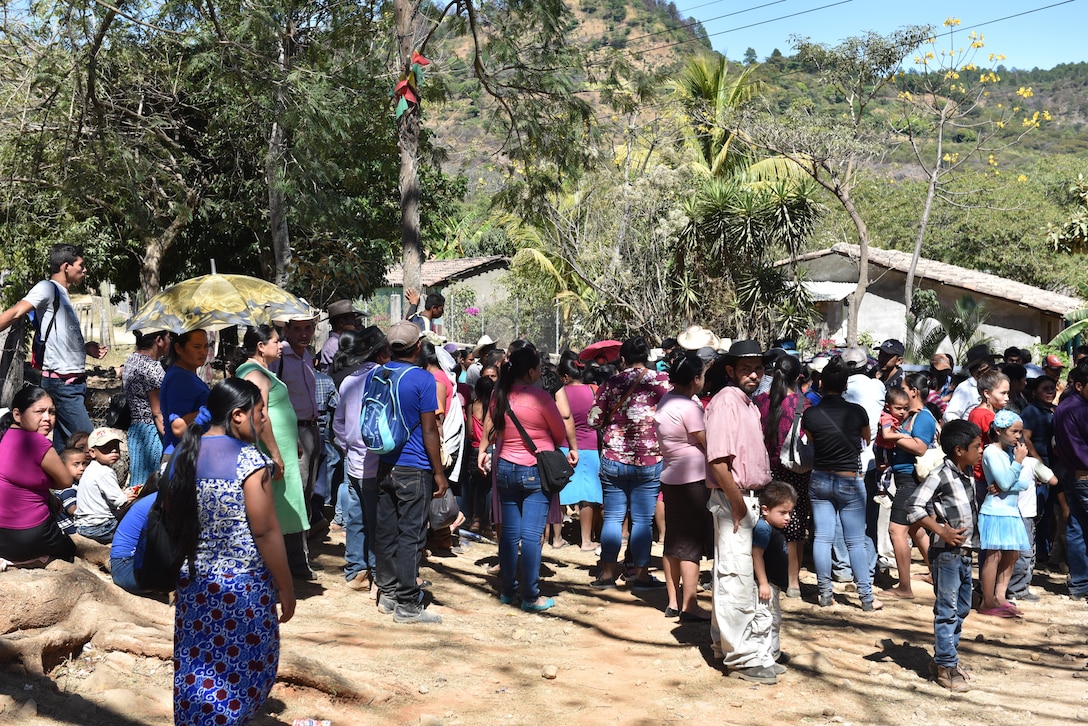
[555, 470]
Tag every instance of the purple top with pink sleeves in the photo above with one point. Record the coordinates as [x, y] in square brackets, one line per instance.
[785, 422]
[580, 398]
[24, 487]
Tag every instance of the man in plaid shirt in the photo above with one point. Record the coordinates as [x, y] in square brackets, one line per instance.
[945, 505]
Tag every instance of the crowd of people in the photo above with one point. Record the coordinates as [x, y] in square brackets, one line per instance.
[687, 443]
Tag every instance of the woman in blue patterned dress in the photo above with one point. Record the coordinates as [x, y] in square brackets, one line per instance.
[221, 512]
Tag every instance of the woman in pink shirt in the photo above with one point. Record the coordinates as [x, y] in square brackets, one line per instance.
[681, 434]
[29, 468]
[524, 505]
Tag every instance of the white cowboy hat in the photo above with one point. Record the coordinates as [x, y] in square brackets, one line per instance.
[697, 337]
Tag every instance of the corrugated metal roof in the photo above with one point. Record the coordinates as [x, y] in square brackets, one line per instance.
[437, 273]
[829, 291]
[955, 276]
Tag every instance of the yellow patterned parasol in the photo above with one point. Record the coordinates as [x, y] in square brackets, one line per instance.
[213, 302]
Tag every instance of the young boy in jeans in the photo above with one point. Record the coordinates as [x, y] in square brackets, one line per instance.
[949, 492]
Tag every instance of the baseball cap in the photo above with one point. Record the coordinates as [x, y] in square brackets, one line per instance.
[892, 347]
[1053, 361]
[104, 435]
[403, 334]
[939, 362]
[855, 358]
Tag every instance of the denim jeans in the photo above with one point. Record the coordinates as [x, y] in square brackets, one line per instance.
[1076, 532]
[71, 404]
[840, 556]
[951, 573]
[358, 553]
[403, 500]
[842, 498]
[101, 533]
[524, 514]
[627, 486]
[121, 570]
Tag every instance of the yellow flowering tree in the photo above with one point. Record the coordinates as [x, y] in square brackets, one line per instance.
[952, 122]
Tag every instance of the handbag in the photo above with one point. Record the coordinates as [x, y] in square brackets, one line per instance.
[555, 471]
[797, 454]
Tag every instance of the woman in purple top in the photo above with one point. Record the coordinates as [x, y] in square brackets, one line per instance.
[631, 463]
[584, 489]
[29, 468]
[777, 408]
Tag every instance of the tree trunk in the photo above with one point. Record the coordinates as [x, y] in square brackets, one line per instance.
[408, 127]
[854, 301]
[923, 224]
[12, 355]
[274, 172]
[155, 248]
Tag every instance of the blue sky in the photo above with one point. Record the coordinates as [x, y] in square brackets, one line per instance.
[1044, 38]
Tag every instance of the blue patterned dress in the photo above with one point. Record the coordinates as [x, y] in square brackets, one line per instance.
[226, 634]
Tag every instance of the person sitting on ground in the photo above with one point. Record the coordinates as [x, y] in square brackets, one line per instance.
[945, 504]
[29, 468]
[100, 498]
[75, 461]
[126, 537]
[770, 562]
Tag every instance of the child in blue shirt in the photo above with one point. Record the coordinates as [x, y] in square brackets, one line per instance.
[770, 563]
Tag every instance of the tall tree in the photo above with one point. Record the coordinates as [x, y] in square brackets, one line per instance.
[952, 124]
[832, 146]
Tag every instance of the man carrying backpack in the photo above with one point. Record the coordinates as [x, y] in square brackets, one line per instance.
[405, 398]
[64, 359]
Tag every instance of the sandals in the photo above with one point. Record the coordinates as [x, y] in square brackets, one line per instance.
[999, 612]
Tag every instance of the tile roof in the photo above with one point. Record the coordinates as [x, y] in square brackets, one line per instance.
[437, 273]
[954, 276]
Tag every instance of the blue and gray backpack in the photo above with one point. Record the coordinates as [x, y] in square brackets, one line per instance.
[382, 426]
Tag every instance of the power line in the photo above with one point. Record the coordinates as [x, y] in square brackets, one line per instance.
[693, 23]
[1017, 15]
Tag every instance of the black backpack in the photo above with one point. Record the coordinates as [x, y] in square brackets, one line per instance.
[157, 560]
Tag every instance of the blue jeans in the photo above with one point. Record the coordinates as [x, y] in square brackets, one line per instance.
[70, 402]
[121, 570]
[951, 573]
[627, 486]
[524, 514]
[403, 501]
[1076, 531]
[842, 498]
[840, 556]
[101, 533]
[358, 553]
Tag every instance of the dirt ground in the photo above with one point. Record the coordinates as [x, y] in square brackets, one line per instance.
[618, 660]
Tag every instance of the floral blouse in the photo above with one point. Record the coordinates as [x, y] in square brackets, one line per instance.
[140, 376]
[630, 436]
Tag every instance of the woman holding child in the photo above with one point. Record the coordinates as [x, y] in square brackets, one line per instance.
[915, 435]
[141, 379]
[28, 529]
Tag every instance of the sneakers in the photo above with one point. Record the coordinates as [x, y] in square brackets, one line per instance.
[650, 583]
[1025, 596]
[779, 669]
[386, 604]
[405, 614]
[953, 678]
[825, 601]
[766, 676]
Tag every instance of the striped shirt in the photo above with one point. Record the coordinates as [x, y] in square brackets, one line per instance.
[949, 494]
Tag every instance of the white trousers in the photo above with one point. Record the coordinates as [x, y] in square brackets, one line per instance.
[736, 635]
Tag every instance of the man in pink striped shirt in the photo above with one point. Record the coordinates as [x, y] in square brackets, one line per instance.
[738, 459]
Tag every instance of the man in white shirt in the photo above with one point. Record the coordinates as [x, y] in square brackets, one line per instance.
[966, 396]
[65, 360]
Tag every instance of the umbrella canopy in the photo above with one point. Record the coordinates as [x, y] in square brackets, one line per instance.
[213, 302]
[607, 349]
